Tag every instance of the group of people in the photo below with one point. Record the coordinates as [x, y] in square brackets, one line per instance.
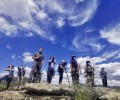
[9, 76]
[75, 69]
[36, 73]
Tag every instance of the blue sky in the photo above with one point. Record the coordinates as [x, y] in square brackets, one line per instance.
[90, 29]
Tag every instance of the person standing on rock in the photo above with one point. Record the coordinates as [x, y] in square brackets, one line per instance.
[9, 76]
[103, 75]
[51, 71]
[75, 69]
[61, 69]
[21, 74]
[89, 70]
[35, 74]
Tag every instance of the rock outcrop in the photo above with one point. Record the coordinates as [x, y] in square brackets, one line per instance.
[50, 89]
[11, 95]
[43, 91]
[108, 93]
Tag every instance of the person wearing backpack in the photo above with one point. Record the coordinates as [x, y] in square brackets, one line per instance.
[103, 75]
[51, 71]
[61, 69]
[75, 70]
[35, 75]
[21, 74]
[8, 77]
[89, 70]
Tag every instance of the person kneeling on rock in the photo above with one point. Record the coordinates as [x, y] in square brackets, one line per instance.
[61, 69]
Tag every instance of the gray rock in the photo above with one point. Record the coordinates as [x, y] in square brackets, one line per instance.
[10, 95]
[49, 89]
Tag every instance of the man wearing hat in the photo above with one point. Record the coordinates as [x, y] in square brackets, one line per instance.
[75, 68]
[35, 74]
[103, 75]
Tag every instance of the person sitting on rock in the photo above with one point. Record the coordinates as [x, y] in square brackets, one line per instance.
[61, 69]
[9, 76]
[35, 74]
[51, 71]
[21, 74]
[89, 70]
[103, 75]
[75, 69]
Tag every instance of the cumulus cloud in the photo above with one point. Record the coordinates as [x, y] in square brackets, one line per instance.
[111, 33]
[27, 57]
[60, 22]
[42, 15]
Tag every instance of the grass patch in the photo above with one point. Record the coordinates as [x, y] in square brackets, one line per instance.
[85, 93]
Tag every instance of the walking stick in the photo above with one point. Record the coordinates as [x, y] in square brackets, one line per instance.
[67, 76]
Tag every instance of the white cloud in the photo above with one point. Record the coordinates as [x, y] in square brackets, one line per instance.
[53, 6]
[60, 22]
[20, 13]
[78, 1]
[8, 46]
[24, 24]
[25, 15]
[117, 72]
[111, 54]
[27, 57]
[97, 47]
[42, 15]
[7, 28]
[84, 14]
[29, 34]
[80, 43]
[111, 33]
[118, 56]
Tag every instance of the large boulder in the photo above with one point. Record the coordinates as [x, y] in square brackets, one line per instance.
[108, 94]
[49, 89]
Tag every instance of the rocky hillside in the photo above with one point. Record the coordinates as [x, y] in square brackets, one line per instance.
[42, 91]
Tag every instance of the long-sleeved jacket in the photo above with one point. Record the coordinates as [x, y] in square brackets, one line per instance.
[103, 74]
